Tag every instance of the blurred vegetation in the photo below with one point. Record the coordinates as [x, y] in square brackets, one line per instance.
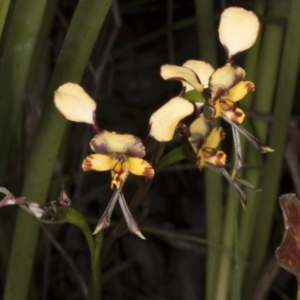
[200, 242]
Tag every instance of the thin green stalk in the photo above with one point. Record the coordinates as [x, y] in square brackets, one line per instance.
[4, 6]
[223, 279]
[20, 42]
[251, 64]
[83, 31]
[213, 182]
[4, 249]
[283, 103]
[237, 253]
[267, 71]
[95, 285]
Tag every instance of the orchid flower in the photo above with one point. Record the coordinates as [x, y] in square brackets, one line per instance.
[120, 153]
[204, 140]
[224, 86]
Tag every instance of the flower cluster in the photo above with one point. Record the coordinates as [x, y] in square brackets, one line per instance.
[218, 90]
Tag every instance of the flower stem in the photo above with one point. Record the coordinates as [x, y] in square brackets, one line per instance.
[95, 283]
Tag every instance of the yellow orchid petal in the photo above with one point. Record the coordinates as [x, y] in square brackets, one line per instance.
[223, 79]
[119, 174]
[108, 143]
[97, 162]
[215, 137]
[239, 91]
[74, 103]
[217, 158]
[182, 74]
[140, 167]
[199, 130]
[238, 30]
[217, 109]
[164, 121]
[202, 69]
[236, 115]
[200, 159]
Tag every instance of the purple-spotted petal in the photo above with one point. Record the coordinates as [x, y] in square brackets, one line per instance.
[234, 114]
[140, 167]
[108, 143]
[217, 158]
[240, 90]
[119, 174]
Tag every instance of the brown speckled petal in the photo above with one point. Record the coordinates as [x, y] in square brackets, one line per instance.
[140, 167]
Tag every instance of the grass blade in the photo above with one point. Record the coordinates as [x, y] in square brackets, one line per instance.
[81, 36]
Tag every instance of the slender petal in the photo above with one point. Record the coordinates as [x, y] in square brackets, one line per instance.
[108, 143]
[182, 74]
[240, 90]
[239, 191]
[97, 162]
[202, 69]
[104, 221]
[163, 122]
[238, 30]
[215, 137]
[223, 79]
[238, 158]
[140, 167]
[262, 148]
[132, 226]
[74, 103]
